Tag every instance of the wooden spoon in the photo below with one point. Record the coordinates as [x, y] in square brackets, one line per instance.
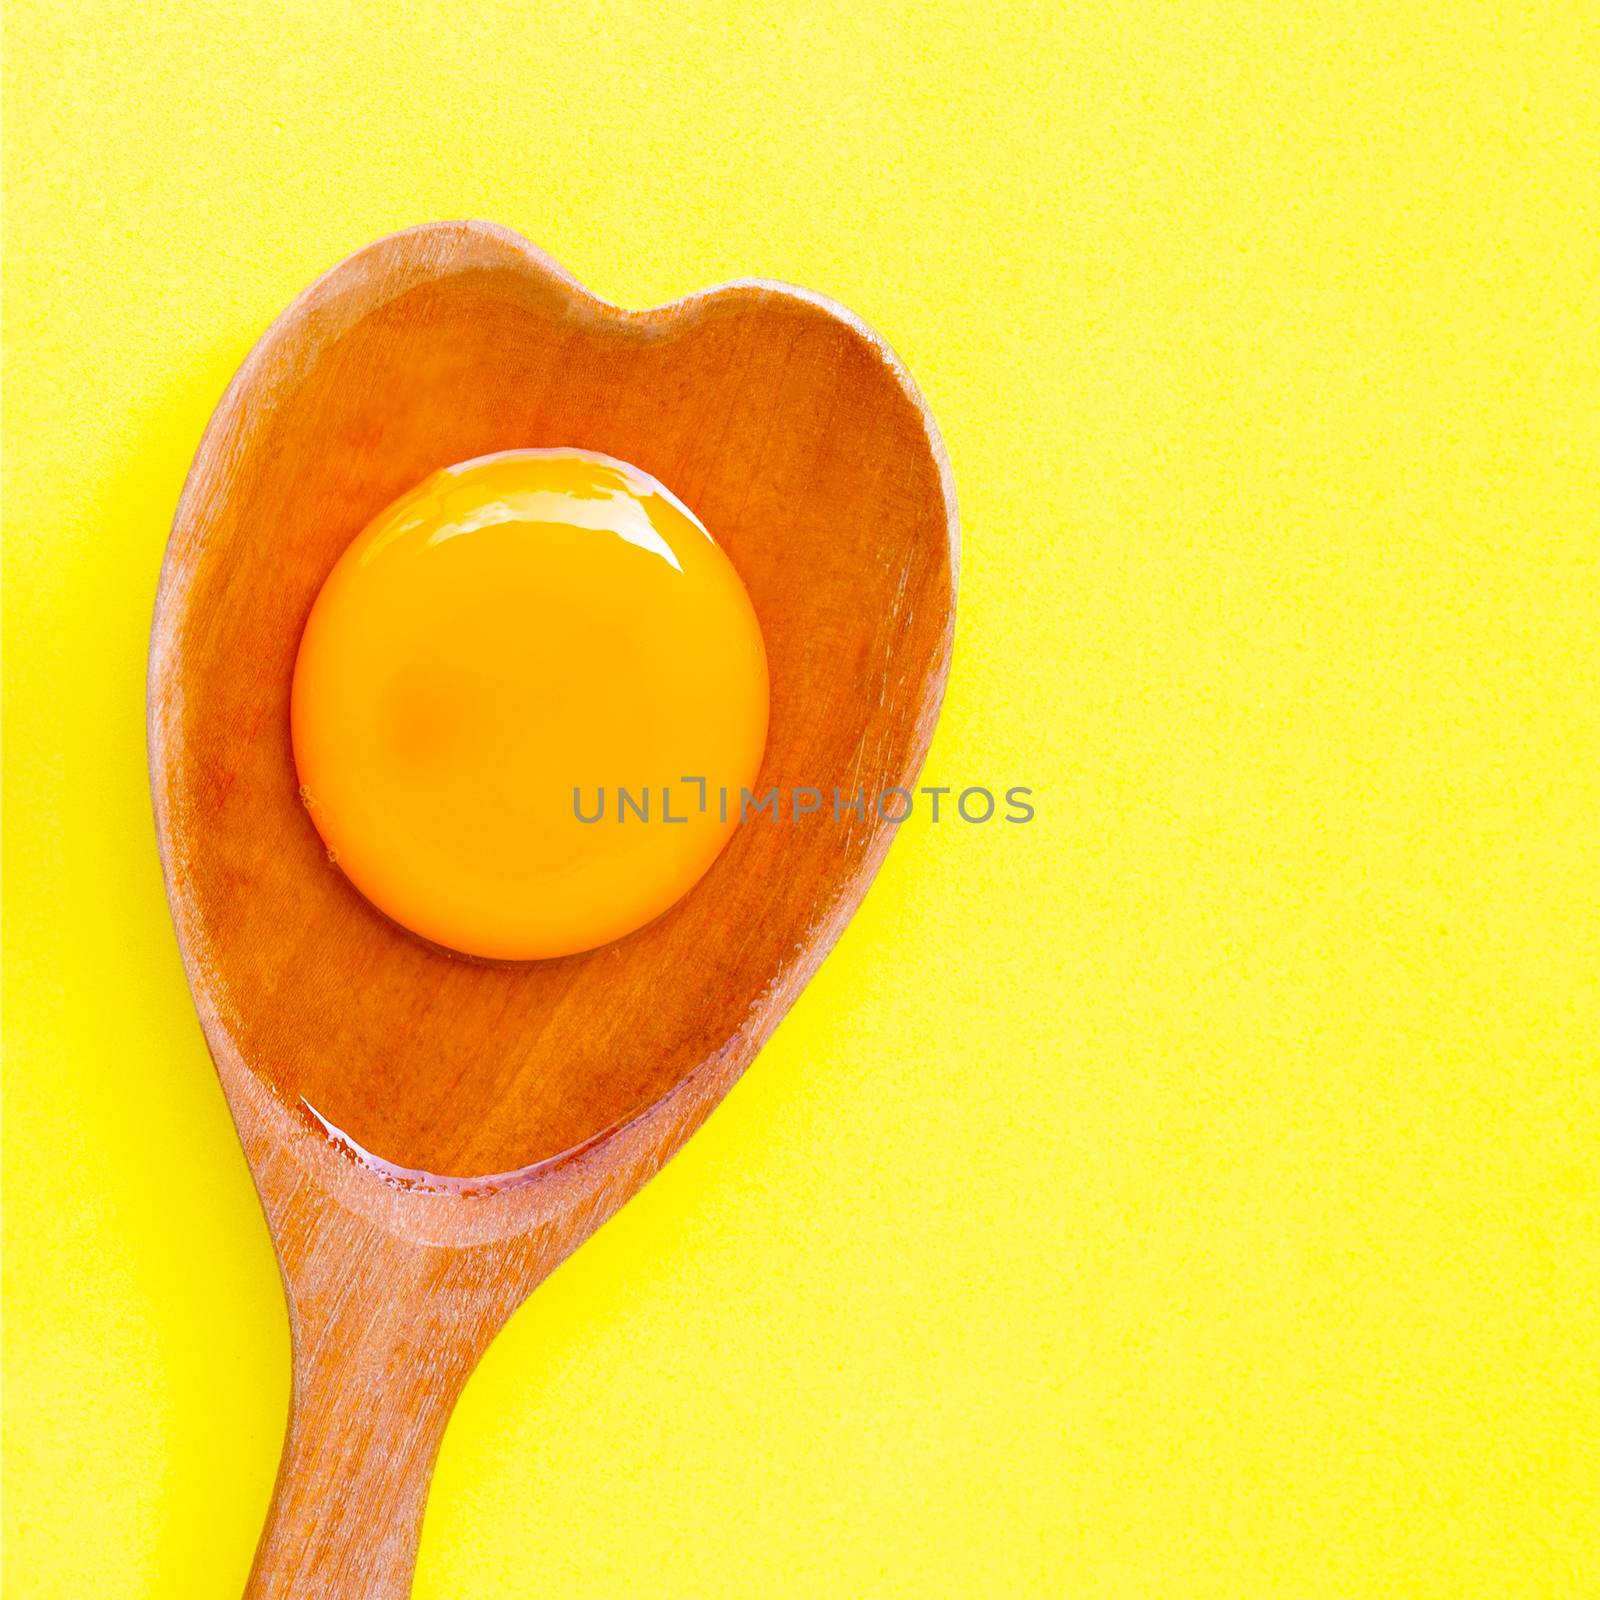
[430, 1137]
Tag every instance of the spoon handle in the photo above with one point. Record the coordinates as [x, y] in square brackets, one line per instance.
[385, 1333]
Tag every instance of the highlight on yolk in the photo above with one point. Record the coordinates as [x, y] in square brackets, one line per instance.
[517, 628]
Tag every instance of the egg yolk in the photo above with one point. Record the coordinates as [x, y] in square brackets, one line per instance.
[489, 663]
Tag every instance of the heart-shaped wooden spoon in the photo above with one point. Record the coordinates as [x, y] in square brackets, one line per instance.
[430, 1137]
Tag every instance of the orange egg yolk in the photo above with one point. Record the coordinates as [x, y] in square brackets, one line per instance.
[497, 655]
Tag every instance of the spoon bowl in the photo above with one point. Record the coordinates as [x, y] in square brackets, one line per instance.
[431, 1136]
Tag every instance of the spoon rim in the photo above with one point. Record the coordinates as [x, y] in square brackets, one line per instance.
[163, 710]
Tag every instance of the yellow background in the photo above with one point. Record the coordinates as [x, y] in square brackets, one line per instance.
[1190, 1194]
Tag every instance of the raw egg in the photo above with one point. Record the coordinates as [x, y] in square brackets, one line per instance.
[499, 669]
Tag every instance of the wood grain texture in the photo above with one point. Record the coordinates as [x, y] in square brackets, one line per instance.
[494, 1116]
